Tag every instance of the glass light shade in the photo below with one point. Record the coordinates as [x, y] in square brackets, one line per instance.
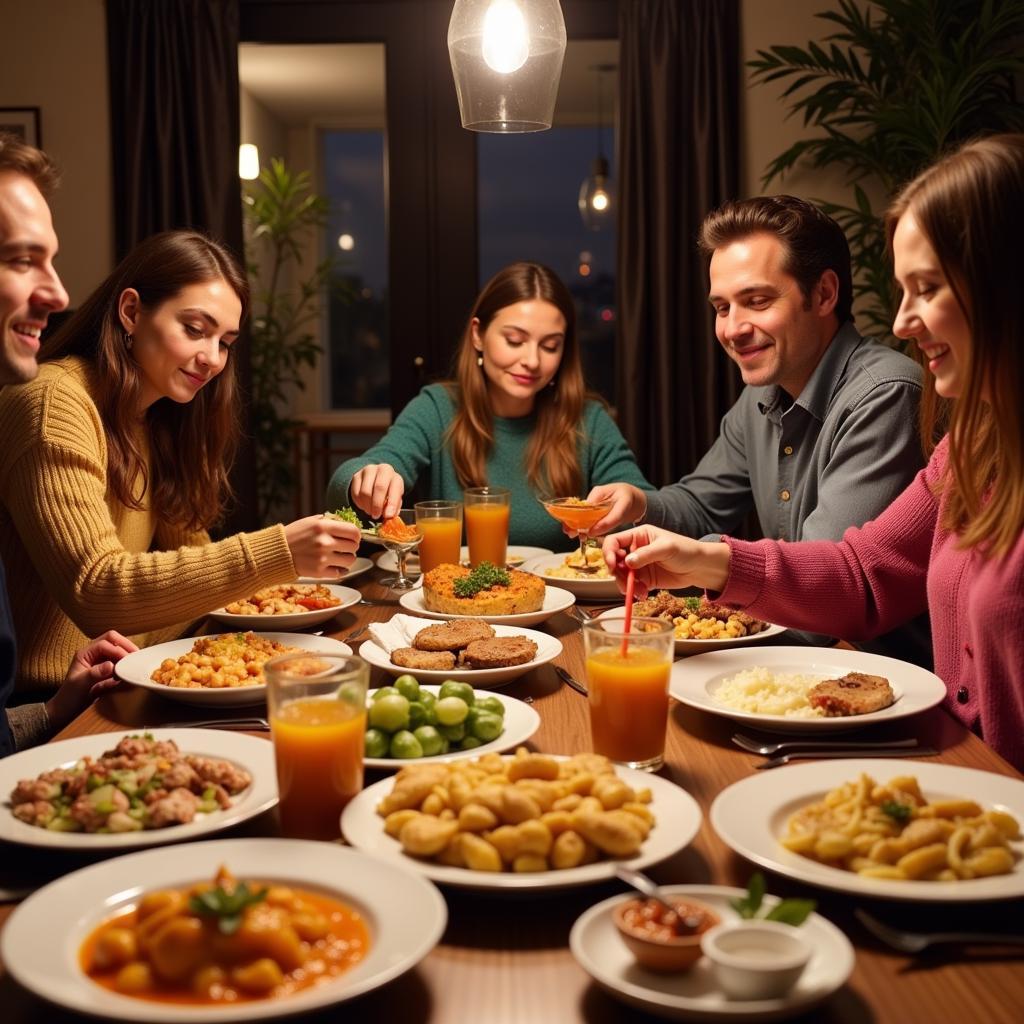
[506, 60]
[596, 200]
[248, 161]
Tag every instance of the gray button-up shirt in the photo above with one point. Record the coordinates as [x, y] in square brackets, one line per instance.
[832, 458]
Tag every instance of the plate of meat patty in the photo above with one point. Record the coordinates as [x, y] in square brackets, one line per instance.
[120, 790]
[467, 649]
[804, 689]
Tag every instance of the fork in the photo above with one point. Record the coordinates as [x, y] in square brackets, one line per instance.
[793, 755]
[255, 722]
[756, 747]
[355, 634]
[915, 942]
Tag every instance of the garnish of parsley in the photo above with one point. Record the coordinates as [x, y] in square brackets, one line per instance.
[483, 577]
[226, 905]
[349, 515]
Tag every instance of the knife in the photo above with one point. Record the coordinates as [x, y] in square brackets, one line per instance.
[780, 759]
[569, 680]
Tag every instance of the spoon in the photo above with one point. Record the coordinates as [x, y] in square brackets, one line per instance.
[646, 887]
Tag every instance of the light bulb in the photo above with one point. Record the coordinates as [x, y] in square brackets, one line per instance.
[248, 161]
[506, 43]
[346, 242]
[599, 200]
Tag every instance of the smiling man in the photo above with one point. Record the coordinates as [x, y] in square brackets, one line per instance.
[824, 436]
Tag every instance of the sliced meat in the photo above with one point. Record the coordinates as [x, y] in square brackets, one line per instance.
[499, 652]
[409, 657]
[452, 636]
[856, 693]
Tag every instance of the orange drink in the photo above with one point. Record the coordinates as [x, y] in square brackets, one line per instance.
[578, 515]
[487, 518]
[440, 522]
[629, 689]
[317, 705]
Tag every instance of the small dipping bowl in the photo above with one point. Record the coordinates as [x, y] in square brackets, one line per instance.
[652, 936]
[756, 959]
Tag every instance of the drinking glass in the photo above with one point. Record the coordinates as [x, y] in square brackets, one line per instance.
[317, 709]
[487, 515]
[401, 548]
[441, 525]
[578, 515]
[627, 679]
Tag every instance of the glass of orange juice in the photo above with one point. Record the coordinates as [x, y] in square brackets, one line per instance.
[317, 711]
[627, 676]
[440, 522]
[487, 516]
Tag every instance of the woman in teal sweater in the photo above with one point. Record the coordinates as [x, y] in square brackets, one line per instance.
[517, 415]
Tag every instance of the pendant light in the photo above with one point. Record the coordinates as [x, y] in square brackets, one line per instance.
[506, 60]
[596, 201]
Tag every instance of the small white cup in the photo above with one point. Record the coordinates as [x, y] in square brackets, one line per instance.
[756, 959]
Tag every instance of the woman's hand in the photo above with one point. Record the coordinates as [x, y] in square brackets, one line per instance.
[377, 490]
[666, 560]
[322, 547]
[90, 674]
[629, 503]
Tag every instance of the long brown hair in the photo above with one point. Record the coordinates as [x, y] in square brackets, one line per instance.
[552, 458]
[970, 206]
[191, 445]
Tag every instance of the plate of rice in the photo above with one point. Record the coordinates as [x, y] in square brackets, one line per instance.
[770, 687]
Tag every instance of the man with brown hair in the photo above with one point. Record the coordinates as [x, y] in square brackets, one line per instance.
[30, 290]
[824, 435]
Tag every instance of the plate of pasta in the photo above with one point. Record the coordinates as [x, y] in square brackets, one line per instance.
[222, 670]
[894, 829]
[288, 606]
[773, 688]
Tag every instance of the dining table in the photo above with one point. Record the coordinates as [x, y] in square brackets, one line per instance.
[504, 957]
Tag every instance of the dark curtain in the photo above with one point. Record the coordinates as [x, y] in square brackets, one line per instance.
[679, 136]
[175, 131]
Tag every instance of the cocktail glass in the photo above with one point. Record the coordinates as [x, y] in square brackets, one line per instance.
[401, 581]
[578, 515]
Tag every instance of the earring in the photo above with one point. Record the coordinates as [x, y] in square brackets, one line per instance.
[479, 360]
[552, 382]
[128, 342]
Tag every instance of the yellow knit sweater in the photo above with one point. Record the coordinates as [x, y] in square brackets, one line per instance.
[78, 561]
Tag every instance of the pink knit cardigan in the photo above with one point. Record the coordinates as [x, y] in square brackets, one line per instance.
[890, 570]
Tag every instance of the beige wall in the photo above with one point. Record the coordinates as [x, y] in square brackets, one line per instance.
[55, 58]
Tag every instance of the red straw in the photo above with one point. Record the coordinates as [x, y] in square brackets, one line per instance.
[630, 584]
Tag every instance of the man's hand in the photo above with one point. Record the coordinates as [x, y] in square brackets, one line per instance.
[665, 560]
[629, 503]
[377, 490]
[90, 674]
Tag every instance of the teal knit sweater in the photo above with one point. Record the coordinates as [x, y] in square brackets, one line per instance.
[415, 447]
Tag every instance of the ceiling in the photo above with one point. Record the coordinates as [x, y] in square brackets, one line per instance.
[344, 82]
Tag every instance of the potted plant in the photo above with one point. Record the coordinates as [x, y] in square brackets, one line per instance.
[281, 211]
[899, 83]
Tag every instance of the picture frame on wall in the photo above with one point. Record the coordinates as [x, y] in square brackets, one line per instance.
[22, 122]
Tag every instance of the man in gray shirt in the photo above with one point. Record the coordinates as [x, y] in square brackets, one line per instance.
[825, 435]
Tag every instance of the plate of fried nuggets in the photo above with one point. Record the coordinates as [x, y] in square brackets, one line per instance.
[468, 649]
[439, 820]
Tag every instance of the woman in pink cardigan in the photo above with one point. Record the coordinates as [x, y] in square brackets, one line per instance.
[953, 542]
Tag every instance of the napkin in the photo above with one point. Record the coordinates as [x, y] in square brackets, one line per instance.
[398, 631]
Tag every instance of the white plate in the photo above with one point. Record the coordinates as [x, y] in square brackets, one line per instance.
[405, 916]
[548, 648]
[677, 822]
[357, 568]
[598, 948]
[136, 668]
[751, 815]
[702, 646]
[516, 555]
[521, 722]
[292, 620]
[253, 754]
[584, 589]
[695, 680]
[555, 601]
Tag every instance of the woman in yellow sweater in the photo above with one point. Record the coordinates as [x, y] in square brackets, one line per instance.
[114, 465]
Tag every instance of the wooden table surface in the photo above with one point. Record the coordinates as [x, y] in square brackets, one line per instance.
[505, 959]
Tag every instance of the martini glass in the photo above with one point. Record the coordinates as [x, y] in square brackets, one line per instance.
[578, 515]
[401, 548]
